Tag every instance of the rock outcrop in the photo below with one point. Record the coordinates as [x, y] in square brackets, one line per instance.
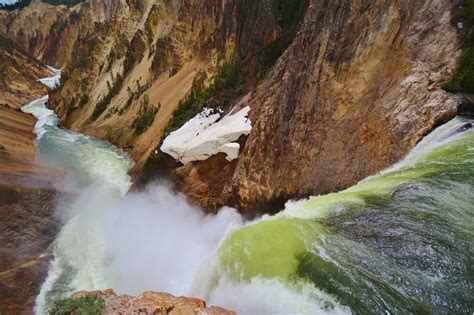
[356, 90]
[150, 54]
[151, 302]
[27, 191]
[19, 74]
[28, 225]
[358, 87]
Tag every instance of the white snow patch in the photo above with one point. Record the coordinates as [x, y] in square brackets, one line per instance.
[54, 81]
[204, 136]
[231, 149]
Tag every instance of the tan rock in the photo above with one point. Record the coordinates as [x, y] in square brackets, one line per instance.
[27, 200]
[171, 47]
[359, 86]
[151, 302]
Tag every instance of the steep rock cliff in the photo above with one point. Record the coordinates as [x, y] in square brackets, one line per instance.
[28, 225]
[358, 87]
[27, 193]
[356, 90]
[19, 74]
[128, 64]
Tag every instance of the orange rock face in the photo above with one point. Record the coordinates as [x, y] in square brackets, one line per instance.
[167, 48]
[151, 302]
[28, 225]
[19, 74]
[357, 89]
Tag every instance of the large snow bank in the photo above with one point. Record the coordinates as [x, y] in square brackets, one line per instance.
[205, 135]
[54, 81]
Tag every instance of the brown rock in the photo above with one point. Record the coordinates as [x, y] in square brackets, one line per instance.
[28, 225]
[19, 74]
[166, 44]
[151, 302]
[357, 89]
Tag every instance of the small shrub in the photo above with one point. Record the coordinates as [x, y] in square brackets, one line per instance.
[83, 99]
[129, 61]
[134, 95]
[64, 77]
[145, 117]
[463, 78]
[86, 305]
[114, 89]
[227, 77]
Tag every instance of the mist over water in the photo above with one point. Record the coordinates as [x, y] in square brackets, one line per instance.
[145, 241]
[399, 241]
[153, 240]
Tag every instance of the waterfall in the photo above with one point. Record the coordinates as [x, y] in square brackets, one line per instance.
[397, 242]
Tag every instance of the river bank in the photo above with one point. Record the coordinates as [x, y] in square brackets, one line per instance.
[27, 200]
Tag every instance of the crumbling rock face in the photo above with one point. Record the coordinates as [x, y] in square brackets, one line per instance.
[357, 89]
[19, 74]
[27, 202]
[159, 47]
[151, 302]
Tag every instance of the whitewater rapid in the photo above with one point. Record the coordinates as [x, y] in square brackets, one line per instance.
[397, 242]
[147, 241]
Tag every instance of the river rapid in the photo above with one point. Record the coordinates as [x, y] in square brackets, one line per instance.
[397, 242]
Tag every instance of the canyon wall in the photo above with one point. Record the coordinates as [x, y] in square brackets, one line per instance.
[19, 74]
[161, 50]
[125, 60]
[27, 196]
[357, 89]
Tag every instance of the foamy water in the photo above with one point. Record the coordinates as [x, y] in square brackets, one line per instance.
[396, 242]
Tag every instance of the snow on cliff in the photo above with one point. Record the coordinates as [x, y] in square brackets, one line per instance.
[205, 135]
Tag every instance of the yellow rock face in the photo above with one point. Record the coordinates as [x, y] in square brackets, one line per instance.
[357, 89]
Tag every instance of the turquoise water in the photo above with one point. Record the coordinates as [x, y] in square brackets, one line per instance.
[96, 171]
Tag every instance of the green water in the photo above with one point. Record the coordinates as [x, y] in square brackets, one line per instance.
[399, 242]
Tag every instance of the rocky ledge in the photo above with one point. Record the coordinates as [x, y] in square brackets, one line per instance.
[151, 302]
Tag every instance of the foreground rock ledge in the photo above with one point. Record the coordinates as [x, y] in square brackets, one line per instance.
[151, 302]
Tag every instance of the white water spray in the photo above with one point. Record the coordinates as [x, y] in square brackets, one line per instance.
[152, 240]
[155, 240]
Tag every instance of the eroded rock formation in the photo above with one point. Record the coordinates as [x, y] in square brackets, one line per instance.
[27, 191]
[28, 225]
[151, 302]
[358, 87]
[162, 50]
[19, 74]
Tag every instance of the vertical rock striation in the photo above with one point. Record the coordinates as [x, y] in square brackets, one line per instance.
[356, 90]
[163, 50]
[358, 87]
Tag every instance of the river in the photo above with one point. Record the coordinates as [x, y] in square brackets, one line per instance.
[398, 242]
